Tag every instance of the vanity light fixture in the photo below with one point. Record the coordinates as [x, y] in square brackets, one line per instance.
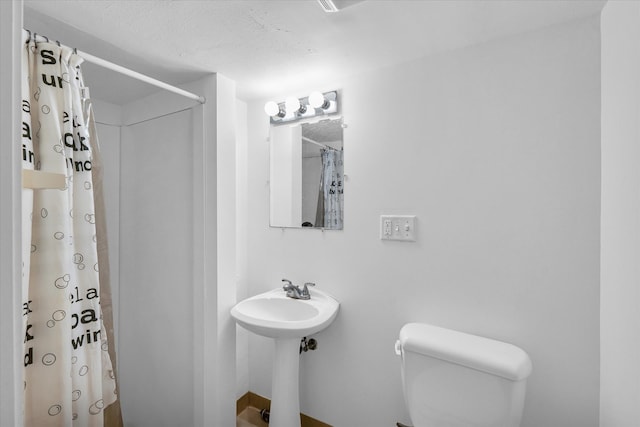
[292, 109]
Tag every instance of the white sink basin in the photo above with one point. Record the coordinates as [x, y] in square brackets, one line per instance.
[286, 320]
[272, 314]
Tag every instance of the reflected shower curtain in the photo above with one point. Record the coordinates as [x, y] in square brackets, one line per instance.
[69, 375]
[330, 209]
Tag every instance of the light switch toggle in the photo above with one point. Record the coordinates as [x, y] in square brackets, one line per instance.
[398, 227]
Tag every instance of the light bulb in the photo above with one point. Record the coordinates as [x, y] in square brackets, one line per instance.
[271, 108]
[292, 104]
[316, 99]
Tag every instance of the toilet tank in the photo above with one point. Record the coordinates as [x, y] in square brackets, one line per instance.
[454, 379]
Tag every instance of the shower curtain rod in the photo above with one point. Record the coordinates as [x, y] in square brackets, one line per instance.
[304, 138]
[126, 71]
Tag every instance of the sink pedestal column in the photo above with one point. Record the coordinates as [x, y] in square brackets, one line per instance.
[285, 401]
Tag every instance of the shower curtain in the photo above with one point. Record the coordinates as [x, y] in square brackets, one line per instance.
[330, 209]
[69, 374]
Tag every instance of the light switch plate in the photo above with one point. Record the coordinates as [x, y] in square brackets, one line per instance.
[398, 227]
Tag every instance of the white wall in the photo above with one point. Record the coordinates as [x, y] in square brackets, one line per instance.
[495, 148]
[11, 327]
[620, 275]
[224, 191]
[242, 348]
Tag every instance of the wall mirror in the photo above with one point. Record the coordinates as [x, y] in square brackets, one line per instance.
[307, 175]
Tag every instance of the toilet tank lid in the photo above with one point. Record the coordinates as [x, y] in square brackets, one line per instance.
[483, 354]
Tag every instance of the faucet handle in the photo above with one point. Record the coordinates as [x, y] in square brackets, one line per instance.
[291, 289]
[305, 290]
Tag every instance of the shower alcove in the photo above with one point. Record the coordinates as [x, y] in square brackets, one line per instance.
[163, 157]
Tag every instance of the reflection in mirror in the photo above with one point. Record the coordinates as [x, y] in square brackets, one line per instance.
[306, 175]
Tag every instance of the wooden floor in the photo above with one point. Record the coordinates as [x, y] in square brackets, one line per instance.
[250, 417]
[247, 408]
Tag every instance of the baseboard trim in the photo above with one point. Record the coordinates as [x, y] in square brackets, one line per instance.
[256, 401]
[243, 403]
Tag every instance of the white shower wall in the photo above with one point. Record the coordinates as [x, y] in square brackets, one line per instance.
[161, 179]
[149, 219]
[156, 293]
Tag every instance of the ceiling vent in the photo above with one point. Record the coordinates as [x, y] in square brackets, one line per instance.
[328, 6]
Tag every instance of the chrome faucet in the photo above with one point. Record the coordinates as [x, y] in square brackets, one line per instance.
[294, 291]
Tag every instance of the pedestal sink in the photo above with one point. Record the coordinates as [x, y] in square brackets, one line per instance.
[286, 320]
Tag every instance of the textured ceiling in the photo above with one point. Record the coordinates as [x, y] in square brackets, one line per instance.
[327, 132]
[275, 47]
[323, 131]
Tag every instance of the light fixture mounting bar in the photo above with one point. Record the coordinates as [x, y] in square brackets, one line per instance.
[293, 109]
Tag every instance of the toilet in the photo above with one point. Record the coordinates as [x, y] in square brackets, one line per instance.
[454, 379]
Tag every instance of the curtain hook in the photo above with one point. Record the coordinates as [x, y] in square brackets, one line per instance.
[46, 38]
[29, 40]
[58, 43]
[35, 37]
[75, 50]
